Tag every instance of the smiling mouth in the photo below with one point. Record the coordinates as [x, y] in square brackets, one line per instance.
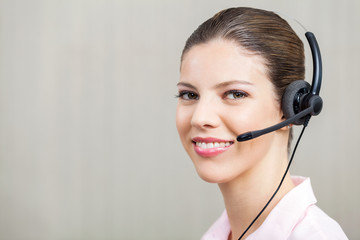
[210, 145]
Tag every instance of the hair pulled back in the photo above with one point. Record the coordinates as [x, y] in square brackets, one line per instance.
[260, 32]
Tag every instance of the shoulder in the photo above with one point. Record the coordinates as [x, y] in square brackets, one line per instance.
[315, 224]
[296, 217]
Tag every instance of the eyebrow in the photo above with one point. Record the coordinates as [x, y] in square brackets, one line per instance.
[225, 84]
[220, 85]
[184, 84]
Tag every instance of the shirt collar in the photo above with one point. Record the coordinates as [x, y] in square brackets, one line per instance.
[220, 230]
[288, 212]
[281, 220]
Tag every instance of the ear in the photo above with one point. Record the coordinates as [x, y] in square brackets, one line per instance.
[286, 127]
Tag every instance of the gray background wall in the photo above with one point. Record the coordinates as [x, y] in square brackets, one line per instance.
[88, 144]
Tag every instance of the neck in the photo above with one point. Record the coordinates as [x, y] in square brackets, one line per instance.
[245, 196]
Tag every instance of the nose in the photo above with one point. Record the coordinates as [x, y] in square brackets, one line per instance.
[205, 115]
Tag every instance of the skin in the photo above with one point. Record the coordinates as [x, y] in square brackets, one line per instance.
[224, 91]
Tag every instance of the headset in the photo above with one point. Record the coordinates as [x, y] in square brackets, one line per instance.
[299, 102]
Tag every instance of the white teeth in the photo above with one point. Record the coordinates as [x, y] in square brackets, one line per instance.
[212, 145]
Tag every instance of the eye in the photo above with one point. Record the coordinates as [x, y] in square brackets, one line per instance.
[235, 94]
[187, 95]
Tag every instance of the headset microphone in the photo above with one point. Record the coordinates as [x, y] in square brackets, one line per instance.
[314, 109]
[300, 100]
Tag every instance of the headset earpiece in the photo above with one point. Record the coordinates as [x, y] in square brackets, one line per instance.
[292, 100]
[299, 95]
[300, 101]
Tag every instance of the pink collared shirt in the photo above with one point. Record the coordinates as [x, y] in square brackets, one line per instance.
[295, 217]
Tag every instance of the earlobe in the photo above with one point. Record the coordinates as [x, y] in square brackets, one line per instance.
[286, 127]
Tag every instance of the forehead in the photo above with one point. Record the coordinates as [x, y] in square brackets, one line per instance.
[220, 60]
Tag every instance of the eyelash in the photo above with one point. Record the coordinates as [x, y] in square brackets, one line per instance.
[183, 93]
[242, 94]
[195, 96]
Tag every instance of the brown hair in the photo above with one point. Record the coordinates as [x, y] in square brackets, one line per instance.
[260, 32]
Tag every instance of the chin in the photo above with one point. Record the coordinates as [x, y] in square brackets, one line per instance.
[213, 174]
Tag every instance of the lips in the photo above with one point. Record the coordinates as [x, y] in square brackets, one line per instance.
[210, 147]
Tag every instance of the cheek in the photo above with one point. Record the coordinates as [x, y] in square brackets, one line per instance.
[241, 120]
[252, 117]
[183, 121]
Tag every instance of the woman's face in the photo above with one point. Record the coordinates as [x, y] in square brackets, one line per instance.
[224, 91]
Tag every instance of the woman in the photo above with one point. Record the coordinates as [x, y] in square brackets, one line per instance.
[234, 69]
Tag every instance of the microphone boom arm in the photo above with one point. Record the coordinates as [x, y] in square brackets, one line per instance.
[254, 134]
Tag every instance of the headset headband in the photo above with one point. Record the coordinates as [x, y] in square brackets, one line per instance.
[317, 63]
